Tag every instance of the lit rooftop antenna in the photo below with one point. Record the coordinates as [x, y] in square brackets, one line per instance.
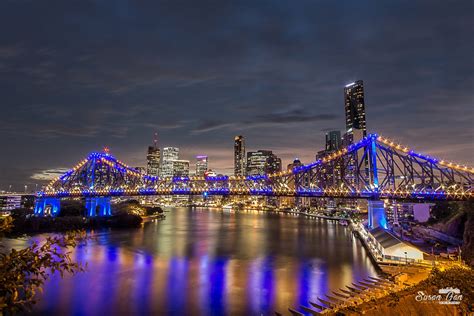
[155, 140]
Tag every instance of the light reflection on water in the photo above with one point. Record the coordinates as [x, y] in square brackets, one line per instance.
[210, 263]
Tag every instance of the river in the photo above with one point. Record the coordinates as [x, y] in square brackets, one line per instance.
[209, 262]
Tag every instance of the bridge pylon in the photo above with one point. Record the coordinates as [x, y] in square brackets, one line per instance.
[377, 216]
[47, 206]
[98, 206]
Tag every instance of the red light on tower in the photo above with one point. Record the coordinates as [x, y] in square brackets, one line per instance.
[106, 150]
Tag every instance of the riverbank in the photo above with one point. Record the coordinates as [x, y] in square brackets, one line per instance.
[337, 218]
[34, 225]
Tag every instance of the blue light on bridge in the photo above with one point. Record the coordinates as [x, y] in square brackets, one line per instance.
[146, 191]
[116, 192]
[181, 191]
[79, 179]
[257, 177]
[218, 191]
[267, 191]
[217, 178]
[373, 157]
[425, 157]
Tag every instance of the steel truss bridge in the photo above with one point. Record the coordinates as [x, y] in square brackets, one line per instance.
[374, 168]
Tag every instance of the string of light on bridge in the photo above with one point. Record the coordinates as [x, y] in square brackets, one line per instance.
[229, 184]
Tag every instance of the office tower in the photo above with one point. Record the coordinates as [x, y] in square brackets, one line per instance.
[239, 156]
[355, 107]
[256, 161]
[153, 161]
[333, 141]
[180, 168]
[153, 158]
[201, 165]
[261, 162]
[170, 154]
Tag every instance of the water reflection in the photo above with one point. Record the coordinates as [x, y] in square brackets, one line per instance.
[209, 262]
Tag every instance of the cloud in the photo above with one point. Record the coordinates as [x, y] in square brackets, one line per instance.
[10, 51]
[209, 126]
[48, 174]
[294, 114]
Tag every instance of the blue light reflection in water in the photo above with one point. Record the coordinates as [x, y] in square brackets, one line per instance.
[210, 263]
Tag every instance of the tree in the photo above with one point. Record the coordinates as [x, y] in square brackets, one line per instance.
[23, 272]
[442, 210]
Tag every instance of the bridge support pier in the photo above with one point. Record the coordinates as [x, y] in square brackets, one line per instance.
[377, 215]
[41, 206]
[102, 202]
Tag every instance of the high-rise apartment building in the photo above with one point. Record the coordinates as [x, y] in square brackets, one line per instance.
[170, 154]
[239, 156]
[201, 165]
[355, 107]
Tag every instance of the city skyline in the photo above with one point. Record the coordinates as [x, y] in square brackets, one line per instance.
[281, 89]
[268, 157]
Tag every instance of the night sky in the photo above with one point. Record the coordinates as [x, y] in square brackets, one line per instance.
[78, 75]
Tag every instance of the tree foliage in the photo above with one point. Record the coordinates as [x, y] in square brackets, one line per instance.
[23, 272]
[442, 210]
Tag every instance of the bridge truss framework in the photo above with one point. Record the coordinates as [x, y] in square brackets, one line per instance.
[374, 168]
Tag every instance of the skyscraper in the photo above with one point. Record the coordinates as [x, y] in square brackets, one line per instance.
[355, 107]
[201, 165]
[261, 162]
[170, 154]
[153, 158]
[239, 156]
[180, 168]
[355, 126]
[333, 140]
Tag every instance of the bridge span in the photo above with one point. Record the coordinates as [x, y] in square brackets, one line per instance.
[374, 168]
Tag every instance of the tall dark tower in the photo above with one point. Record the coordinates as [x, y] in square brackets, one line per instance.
[333, 140]
[355, 107]
[239, 156]
[153, 158]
